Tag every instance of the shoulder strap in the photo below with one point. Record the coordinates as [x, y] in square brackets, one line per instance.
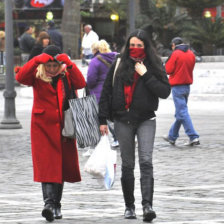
[115, 69]
[70, 93]
[104, 61]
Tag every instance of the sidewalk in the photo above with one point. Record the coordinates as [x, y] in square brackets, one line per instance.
[189, 181]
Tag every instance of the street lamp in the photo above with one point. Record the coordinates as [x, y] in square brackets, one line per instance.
[9, 120]
[207, 14]
[131, 15]
[114, 17]
[49, 16]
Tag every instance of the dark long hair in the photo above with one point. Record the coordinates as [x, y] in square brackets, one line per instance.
[126, 68]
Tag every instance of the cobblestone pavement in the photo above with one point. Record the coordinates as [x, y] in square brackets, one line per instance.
[189, 181]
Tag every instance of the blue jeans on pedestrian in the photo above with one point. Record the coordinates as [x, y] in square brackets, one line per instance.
[180, 97]
[89, 56]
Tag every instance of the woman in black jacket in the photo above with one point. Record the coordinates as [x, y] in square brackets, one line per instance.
[131, 95]
[43, 40]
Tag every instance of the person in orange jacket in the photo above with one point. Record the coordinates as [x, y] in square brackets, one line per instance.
[55, 158]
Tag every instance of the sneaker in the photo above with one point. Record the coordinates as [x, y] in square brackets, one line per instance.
[115, 144]
[166, 138]
[193, 142]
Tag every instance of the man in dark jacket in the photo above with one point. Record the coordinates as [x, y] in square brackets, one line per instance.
[55, 35]
[26, 43]
[179, 67]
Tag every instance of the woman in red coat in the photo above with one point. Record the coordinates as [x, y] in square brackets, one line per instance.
[55, 158]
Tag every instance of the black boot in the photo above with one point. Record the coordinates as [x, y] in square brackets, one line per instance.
[48, 196]
[148, 213]
[147, 189]
[57, 209]
[128, 193]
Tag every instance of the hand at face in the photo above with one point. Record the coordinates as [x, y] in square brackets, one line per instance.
[140, 68]
[63, 58]
[43, 58]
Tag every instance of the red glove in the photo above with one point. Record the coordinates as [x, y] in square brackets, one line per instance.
[16, 69]
[43, 58]
[64, 58]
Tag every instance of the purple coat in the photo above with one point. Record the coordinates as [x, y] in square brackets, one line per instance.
[97, 72]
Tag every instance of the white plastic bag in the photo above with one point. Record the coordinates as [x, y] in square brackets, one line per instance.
[109, 177]
[102, 163]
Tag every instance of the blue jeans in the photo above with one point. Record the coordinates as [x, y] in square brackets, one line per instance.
[180, 98]
[89, 56]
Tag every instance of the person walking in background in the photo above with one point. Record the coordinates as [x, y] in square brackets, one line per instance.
[140, 80]
[26, 43]
[2, 40]
[179, 67]
[2, 47]
[88, 39]
[97, 72]
[55, 35]
[55, 158]
[42, 41]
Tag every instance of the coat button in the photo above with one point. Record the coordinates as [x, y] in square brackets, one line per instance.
[57, 124]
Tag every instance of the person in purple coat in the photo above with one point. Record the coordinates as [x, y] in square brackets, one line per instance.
[99, 66]
[97, 72]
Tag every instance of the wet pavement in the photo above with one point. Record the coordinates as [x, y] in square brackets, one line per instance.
[189, 181]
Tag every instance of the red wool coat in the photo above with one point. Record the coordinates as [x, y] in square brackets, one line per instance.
[55, 158]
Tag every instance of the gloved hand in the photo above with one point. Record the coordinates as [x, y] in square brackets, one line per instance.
[17, 68]
[64, 58]
[43, 58]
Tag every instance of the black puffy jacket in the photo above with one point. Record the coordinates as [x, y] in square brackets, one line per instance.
[145, 99]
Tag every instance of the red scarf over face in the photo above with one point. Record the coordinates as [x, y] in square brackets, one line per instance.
[138, 55]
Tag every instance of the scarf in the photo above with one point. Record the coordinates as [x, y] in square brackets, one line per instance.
[138, 55]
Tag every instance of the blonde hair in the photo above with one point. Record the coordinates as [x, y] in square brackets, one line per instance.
[95, 47]
[2, 34]
[2, 43]
[103, 46]
[41, 73]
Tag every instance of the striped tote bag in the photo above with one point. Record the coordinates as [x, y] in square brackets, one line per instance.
[86, 122]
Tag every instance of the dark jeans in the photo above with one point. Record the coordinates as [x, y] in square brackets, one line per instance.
[111, 129]
[145, 132]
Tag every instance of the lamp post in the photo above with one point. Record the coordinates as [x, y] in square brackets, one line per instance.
[131, 15]
[1, 63]
[9, 120]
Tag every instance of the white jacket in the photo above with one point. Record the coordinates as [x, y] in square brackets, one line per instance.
[88, 40]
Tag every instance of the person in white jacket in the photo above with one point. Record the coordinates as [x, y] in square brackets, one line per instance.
[88, 39]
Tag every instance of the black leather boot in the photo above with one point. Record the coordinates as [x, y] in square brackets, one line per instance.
[129, 213]
[147, 189]
[57, 209]
[48, 196]
[128, 193]
[148, 213]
